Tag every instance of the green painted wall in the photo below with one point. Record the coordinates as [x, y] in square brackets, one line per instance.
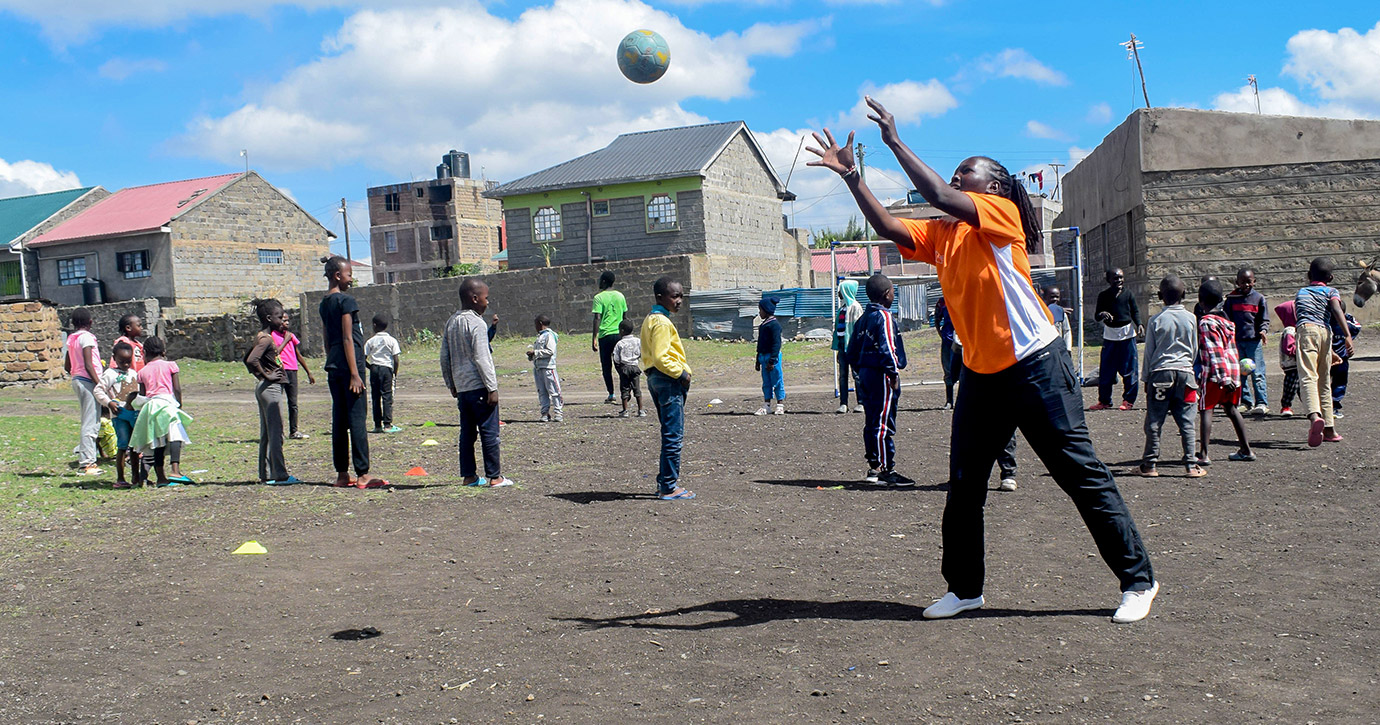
[644, 189]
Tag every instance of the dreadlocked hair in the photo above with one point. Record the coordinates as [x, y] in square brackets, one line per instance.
[1012, 189]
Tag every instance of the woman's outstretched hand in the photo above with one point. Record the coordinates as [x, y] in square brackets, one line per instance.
[884, 120]
[836, 158]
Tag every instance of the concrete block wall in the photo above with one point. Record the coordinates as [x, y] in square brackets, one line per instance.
[215, 249]
[743, 221]
[565, 293]
[621, 235]
[1275, 219]
[217, 337]
[30, 344]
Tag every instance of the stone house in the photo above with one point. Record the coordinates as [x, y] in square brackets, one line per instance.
[700, 190]
[23, 218]
[199, 246]
[419, 227]
[1194, 193]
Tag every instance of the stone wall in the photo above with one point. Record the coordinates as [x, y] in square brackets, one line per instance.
[216, 337]
[743, 222]
[565, 293]
[1275, 219]
[621, 235]
[30, 344]
[215, 249]
[105, 319]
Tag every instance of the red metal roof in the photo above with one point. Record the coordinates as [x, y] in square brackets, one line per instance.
[849, 259]
[136, 209]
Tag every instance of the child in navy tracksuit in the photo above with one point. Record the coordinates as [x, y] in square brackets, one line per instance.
[876, 353]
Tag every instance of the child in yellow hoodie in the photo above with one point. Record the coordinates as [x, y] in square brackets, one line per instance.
[668, 380]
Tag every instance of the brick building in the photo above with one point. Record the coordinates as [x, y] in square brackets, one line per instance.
[198, 246]
[422, 226]
[1195, 192]
[701, 190]
[22, 218]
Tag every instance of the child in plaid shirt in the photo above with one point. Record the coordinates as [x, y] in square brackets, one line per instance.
[1221, 372]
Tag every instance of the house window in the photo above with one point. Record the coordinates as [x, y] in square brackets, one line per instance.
[270, 256]
[661, 214]
[420, 192]
[390, 241]
[390, 202]
[601, 207]
[134, 264]
[392, 277]
[71, 271]
[546, 225]
[441, 231]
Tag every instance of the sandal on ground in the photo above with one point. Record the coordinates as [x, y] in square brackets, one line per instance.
[481, 481]
[343, 483]
[121, 484]
[372, 483]
[1204, 462]
[1148, 472]
[1195, 472]
[1239, 456]
[501, 484]
[180, 479]
[1315, 433]
[1334, 438]
[679, 494]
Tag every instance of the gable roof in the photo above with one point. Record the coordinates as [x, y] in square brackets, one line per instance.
[20, 214]
[643, 156]
[136, 209]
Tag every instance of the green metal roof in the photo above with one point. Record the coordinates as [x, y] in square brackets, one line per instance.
[20, 214]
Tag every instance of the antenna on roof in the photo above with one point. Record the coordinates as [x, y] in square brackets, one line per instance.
[245, 154]
[1133, 47]
[1254, 89]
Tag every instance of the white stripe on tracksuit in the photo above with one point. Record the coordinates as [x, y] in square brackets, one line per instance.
[889, 331]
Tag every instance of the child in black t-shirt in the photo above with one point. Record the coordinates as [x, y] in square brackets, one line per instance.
[769, 358]
[344, 361]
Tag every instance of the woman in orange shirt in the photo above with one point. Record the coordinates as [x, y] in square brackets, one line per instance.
[1018, 373]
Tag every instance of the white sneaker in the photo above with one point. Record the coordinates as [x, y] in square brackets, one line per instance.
[842, 409]
[544, 419]
[1260, 410]
[950, 605]
[762, 411]
[858, 408]
[873, 475]
[1007, 484]
[1135, 605]
[780, 408]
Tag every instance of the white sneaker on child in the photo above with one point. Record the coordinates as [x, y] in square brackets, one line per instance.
[762, 411]
[949, 605]
[858, 408]
[780, 408]
[842, 409]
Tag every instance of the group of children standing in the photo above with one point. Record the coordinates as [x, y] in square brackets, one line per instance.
[1215, 360]
[139, 391]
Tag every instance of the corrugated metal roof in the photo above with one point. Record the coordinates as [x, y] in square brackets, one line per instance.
[20, 214]
[642, 156]
[136, 209]
[849, 259]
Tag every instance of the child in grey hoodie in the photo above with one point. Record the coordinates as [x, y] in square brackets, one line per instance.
[542, 353]
[1171, 346]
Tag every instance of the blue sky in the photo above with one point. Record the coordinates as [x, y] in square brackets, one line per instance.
[333, 96]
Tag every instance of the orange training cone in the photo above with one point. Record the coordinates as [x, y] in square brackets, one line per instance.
[416, 471]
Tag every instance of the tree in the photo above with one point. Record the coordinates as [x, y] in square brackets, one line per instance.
[851, 233]
[464, 269]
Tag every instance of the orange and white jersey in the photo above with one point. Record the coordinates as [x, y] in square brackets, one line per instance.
[985, 272]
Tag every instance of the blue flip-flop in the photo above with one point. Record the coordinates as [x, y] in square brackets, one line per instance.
[481, 481]
[285, 482]
[179, 479]
[683, 494]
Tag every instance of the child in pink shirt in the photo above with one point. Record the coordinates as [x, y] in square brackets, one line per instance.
[287, 352]
[83, 363]
[161, 426]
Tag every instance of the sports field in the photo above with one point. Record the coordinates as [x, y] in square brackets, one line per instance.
[784, 592]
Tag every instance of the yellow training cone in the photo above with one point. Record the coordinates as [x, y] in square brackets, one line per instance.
[250, 547]
[429, 442]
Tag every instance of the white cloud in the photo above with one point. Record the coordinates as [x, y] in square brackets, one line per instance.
[77, 20]
[121, 68]
[1035, 129]
[1077, 154]
[823, 200]
[1279, 102]
[1018, 63]
[1099, 113]
[22, 178]
[908, 101]
[421, 81]
[1341, 66]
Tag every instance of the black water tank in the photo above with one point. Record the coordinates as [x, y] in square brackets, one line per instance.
[459, 163]
[91, 292]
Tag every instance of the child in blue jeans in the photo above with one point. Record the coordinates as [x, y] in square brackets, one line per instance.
[769, 358]
[115, 390]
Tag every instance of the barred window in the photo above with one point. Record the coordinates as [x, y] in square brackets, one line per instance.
[546, 225]
[270, 256]
[134, 264]
[600, 207]
[71, 271]
[661, 214]
[390, 241]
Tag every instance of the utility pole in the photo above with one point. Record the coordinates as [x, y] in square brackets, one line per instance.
[345, 219]
[1056, 167]
[867, 228]
[1254, 89]
[1133, 47]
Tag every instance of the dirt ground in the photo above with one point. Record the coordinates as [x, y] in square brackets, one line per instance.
[783, 592]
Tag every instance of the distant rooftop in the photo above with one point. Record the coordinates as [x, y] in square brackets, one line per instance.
[135, 210]
[20, 214]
